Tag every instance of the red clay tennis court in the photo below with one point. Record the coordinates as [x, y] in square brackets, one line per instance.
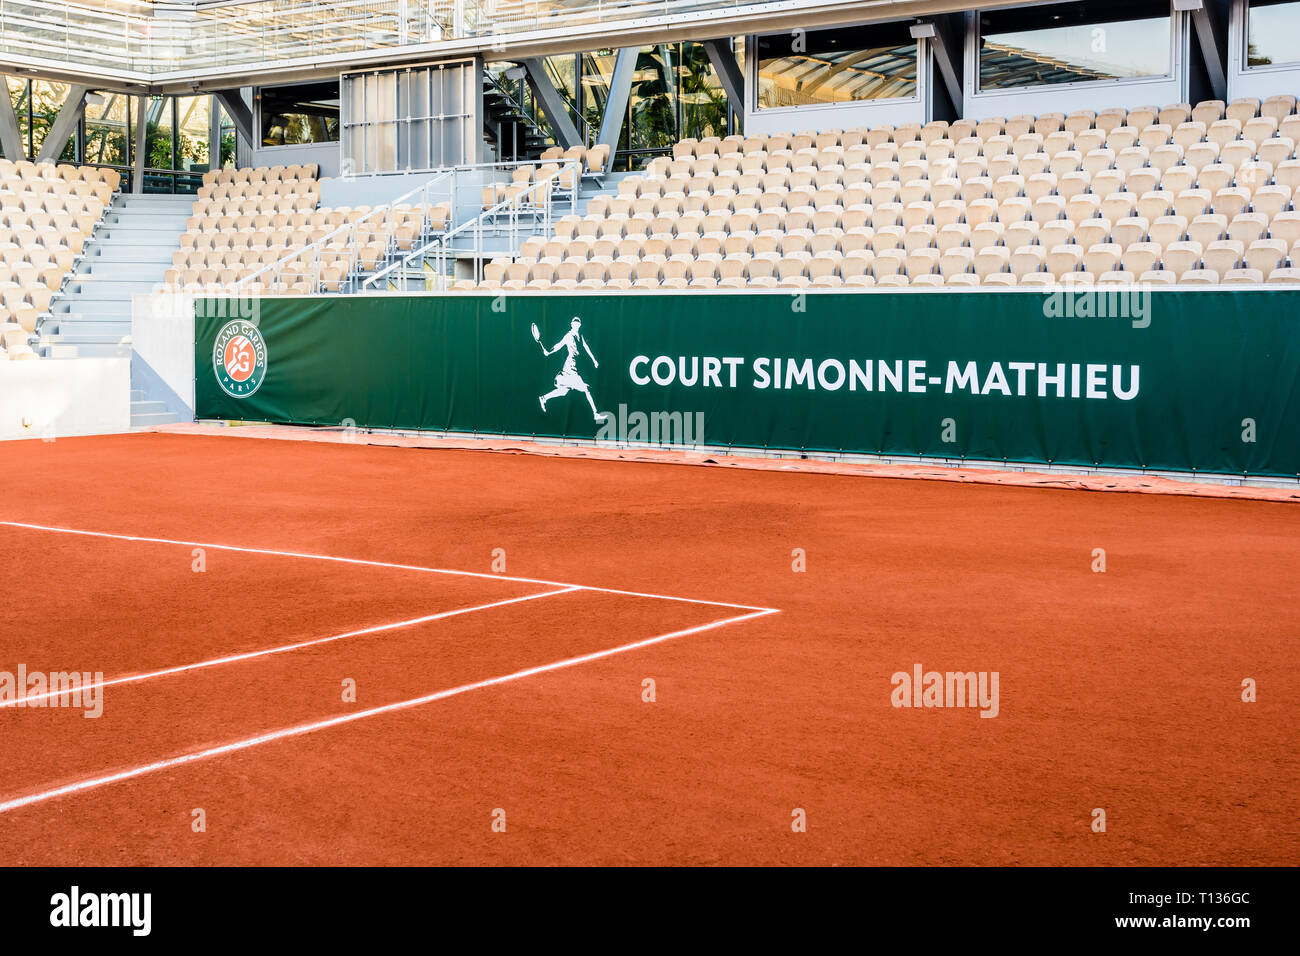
[485, 694]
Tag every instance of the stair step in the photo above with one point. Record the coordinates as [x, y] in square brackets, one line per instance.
[110, 285]
[123, 271]
[91, 308]
[149, 421]
[58, 348]
[119, 328]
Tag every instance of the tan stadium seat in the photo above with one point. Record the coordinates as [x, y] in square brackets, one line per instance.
[1042, 279]
[1183, 256]
[1141, 257]
[1207, 227]
[1286, 226]
[1223, 255]
[1158, 277]
[1246, 227]
[1063, 259]
[1191, 203]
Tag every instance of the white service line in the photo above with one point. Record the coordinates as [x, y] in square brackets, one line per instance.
[308, 728]
[249, 655]
[381, 564]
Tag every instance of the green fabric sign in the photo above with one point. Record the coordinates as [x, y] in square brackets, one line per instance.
[1176, 380]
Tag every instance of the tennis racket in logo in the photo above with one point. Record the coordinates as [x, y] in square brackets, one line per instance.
[239, 358]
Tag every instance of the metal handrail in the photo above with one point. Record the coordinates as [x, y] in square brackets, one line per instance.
[512, 205]
[317, 246]
[586, 131]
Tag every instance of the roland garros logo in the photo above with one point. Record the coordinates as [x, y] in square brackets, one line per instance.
[239, 358]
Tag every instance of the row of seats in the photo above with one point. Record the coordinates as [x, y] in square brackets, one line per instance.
[242, 225]
[799, 257]
[1134, 233]
[593, 158]
[284, 189]
[857, 206]
[538, 182]
[998, 156]
[257, 213]
[1005, 176]
[1279, 107]
[63, 173]
[47, 214]
[933, 202]
[784, 274]
[261, 174]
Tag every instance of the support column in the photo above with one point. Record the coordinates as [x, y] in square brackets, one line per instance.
[65, 124]
[11, 137]
[620, 91]
[141, 147]
[539, 81]
[724, 63]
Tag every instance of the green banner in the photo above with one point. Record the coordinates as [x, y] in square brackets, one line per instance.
[1201, 381]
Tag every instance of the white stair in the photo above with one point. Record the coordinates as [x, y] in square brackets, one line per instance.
[129, 254]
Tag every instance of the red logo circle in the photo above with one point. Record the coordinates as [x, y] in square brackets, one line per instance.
[239, 358]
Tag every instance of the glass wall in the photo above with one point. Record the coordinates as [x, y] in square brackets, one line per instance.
[105, 130]
[1272, 32]
[36, 105]
[825, 67]
[176, 132]
[193, 132]
[1075, 42]
[295, 115]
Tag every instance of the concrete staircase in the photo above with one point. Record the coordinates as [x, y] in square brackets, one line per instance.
[129, 254]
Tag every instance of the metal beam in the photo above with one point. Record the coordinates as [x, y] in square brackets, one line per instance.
[141, 144]
[620, 91]
[724, 63]
[949, 66]
[232, 101]
[1210, 37]
[214, 133]
[557, 112]
[11, 137]
[65, 124]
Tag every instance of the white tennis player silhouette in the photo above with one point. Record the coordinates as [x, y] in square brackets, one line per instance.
[569, 380]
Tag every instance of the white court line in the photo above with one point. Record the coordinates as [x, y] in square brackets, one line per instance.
[300, 729]
[249, 655]
[381, 564]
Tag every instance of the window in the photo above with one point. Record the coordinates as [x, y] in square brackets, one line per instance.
[1272, 32]
[107, 121]
[836, 66]
[294, 115]
[1075, 42]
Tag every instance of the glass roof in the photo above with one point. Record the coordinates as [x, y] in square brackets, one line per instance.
[182, 40]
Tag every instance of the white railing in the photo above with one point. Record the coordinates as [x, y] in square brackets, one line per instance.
[524, 214]
[347, 240]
